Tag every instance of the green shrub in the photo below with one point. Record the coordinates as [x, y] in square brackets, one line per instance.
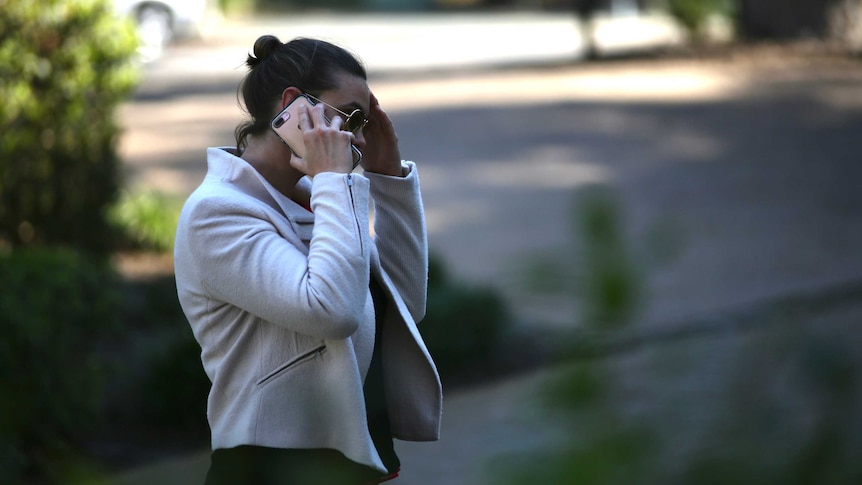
[64, 67]
[232, 7]
[175, 388]
[693, 14]
[146, 220]
[167, 388]
[611, 283]
[608, 285]
[56, 308]
[463, 325]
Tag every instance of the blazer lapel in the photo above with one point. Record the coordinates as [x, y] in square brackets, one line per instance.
[250, 181]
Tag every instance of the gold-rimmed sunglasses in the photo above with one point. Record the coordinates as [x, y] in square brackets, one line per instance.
[353, 122]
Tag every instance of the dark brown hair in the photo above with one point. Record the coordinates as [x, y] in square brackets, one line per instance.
[311, 65]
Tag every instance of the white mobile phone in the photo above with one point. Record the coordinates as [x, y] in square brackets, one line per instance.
[286, 126]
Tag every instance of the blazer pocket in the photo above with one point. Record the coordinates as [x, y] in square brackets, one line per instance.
[291, 364]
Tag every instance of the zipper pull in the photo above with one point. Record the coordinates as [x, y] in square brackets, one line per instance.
[350, 180]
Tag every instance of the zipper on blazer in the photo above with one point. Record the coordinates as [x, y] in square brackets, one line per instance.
[353, 206]
[305, 356]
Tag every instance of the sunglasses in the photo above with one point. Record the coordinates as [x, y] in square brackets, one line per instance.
[353, 122]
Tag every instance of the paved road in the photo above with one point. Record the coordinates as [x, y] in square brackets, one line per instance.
[753, 165]
[755, 168]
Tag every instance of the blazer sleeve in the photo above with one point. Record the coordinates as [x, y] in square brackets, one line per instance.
[244, 261]
[401, 236]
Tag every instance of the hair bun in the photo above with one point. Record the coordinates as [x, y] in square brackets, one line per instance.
[264, 46]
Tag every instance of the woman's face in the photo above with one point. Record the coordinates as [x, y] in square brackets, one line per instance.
[352, 94]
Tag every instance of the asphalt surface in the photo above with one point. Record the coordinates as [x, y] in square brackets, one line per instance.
[750, 166]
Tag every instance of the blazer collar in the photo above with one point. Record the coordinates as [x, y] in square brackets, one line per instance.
[224, 164]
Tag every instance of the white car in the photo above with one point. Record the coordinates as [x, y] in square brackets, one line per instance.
[161, 21]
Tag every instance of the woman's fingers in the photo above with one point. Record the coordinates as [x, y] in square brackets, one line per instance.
[336, 123]
[381, 118]
[314, 117]
[327, 148]
[381, 142]
[318, 119]
[304, 118]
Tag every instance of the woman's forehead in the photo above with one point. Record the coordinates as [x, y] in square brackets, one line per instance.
[352, 92]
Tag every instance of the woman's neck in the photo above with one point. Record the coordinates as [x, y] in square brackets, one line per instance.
[272, 161]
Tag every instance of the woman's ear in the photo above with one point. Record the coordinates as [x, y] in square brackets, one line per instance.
[289, 95]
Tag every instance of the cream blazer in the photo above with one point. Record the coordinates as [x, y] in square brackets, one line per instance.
[278, 299]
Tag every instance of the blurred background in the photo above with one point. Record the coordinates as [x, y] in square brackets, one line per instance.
[645, 219]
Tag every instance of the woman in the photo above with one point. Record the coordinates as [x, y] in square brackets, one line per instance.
[307, 322]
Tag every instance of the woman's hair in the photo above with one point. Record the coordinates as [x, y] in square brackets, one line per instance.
[310, 65]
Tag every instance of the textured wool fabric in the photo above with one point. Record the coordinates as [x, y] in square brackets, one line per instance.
[278, 298]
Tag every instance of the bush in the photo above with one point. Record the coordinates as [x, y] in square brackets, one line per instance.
[56, 307]
[146, 220]
[175, 388]
[580, 396]
[166, 388]
[64, 67]
[694, 14]
[463, 325]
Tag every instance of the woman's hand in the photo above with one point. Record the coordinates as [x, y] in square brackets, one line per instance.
[380, 154]
[327, 148]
